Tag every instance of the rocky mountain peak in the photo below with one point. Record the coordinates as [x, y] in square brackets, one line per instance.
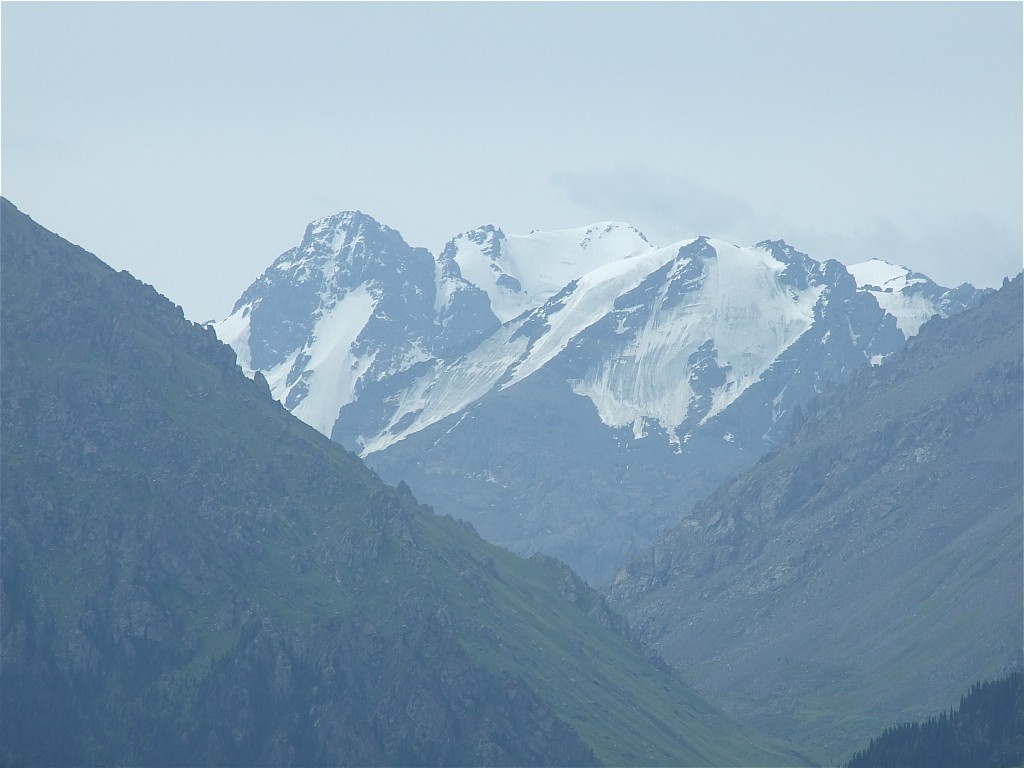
[347, 226]
[605, 229]
[487, 236]
[355, 245]
[694, 354]
[698, 248]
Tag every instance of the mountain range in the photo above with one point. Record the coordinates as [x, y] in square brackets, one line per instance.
[192, 576]
[868, 569]
[571, 392]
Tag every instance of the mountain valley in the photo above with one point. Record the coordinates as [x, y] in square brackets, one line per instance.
[869, 569]
[190, 575]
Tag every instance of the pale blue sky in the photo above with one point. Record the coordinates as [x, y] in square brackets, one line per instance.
[191, 143]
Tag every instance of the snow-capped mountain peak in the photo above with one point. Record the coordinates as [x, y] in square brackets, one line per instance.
[884, 276]
[711, 305]
[323, 316]
[910, 297]
[515, 361]
[520, 272]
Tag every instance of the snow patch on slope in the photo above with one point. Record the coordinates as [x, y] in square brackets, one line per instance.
[335, 369]
[330, 369]
[593, 297]
[448, 389]
[883, 275]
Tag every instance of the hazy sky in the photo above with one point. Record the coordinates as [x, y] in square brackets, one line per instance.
[191, 143]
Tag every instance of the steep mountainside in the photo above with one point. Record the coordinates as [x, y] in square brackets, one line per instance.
[190, 575]
[871, 569]
[569, 391]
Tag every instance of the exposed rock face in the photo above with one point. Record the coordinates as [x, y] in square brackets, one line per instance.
[869, 570]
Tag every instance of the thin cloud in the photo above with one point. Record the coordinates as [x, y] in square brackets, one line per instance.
[968, 248]
[665, 208]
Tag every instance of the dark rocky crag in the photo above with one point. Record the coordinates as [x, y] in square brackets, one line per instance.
[191, 576]
[869, 570]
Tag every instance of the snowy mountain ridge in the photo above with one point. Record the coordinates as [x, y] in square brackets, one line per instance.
[520, 272]
[737, 317]
[346, 265]
[697, 350]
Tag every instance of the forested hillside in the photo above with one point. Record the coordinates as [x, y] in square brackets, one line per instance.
[985, 731]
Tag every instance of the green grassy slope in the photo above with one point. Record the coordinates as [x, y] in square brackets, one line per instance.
[191, 575]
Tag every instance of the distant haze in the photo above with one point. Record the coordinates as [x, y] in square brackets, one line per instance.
[191, 143]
